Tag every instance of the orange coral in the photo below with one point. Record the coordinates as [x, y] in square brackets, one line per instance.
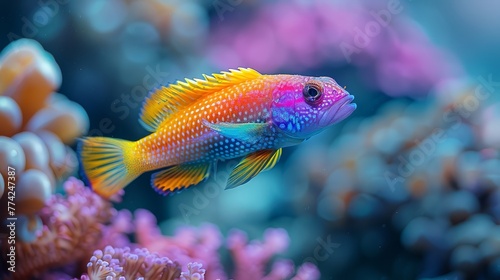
[36, 123]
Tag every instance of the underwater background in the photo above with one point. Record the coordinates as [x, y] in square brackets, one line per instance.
[407, 187]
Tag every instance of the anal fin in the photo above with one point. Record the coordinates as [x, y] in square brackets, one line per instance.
[251, 165]
[179, 177]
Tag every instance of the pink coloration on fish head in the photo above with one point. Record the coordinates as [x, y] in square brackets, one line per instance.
[304, 106]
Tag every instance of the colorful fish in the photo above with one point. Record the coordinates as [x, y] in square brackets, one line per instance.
[240, 113]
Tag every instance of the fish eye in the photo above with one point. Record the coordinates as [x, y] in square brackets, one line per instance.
[312, 92]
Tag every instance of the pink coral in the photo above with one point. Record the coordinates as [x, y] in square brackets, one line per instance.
[250, 258]
[195, 272]
[75, 225]
[188, 244]
[118, 263]
[72, 226]
[399, 56]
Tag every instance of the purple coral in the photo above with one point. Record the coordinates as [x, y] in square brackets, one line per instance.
[195, 272]
[251, 258]
[123, 263]
[399, 56]
[72, 226]
[201, 245]
[188, 244]
[80, 222]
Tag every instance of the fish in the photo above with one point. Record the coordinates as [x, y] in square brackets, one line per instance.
[239, 113]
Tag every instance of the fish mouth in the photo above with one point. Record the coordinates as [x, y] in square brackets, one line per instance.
[342, 109]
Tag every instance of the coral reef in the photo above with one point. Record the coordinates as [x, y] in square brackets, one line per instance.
[71, 227]
[36, 125]
[251, 258]
[429, 169]
[411, 192]
[202, 244]
[75, 226]
[122, 263]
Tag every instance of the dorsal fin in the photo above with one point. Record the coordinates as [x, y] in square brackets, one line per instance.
[163, 102]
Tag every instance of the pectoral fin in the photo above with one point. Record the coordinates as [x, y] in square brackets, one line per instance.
[246, 132]
[179, 177]
[252, 165]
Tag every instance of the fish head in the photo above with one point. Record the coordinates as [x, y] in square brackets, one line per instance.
[304, 106]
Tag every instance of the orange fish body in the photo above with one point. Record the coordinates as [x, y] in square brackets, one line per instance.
[234, 114]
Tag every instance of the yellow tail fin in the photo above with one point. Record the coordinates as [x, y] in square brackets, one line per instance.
[107, 164]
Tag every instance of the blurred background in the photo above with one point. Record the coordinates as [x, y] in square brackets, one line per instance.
[408, 187]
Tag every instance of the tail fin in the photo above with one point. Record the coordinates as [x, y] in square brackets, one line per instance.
[107, 164]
